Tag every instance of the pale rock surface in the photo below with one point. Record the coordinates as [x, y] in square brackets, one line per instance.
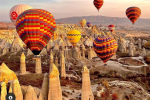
[29, 52]
[22, 64]
[6, 73]
[43, 52]
[16, 89]
[45, 87]
[143, 52]
[86, 85]
[55, 92]
[62, 65]
[30, 94]
[38, 68]
[3, 91]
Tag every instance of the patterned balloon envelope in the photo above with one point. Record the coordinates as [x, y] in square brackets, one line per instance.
[16, 10]
[74, 36]
[98, 4]
[35, 27]
[133, 13]
[105, 47]
[111, 27]
[82, 22]
[89, 24]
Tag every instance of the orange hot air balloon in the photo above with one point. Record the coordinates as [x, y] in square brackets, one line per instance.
[133, 13]
[98, 4]
[82, 22]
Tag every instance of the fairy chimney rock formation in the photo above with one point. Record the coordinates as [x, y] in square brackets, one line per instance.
[66, 52]
[45, 87]
[86, 85]
[51, 61]
[55, 92]
[41, 96]
[139, 42]
[83, 51]
[30, 94]
[29, 52]
[5, 51]
[22, 64]
[56, 62]
[10, 88]
[43, 52]
[90, 53]
[17, 90]
[62, 65]
[76, 53]
[6, 74]
[143, 52]
[38, 68]
[3, 91]
[16, 46]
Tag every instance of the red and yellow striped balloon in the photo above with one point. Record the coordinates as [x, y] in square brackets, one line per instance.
[35, 27]
[111, 27]
[98, 4]
[105, 47]
[133, 13]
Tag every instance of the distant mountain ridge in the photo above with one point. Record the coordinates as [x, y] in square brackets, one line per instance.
[104, 20]
[97, 20]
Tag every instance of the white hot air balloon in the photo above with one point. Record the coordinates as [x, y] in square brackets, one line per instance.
[15, 11]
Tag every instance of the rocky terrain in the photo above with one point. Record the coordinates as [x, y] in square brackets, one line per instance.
[66, 73]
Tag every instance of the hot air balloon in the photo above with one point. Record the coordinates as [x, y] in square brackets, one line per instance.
[35, 27]
[105, 47]
[133, 13]
[15, 11]
[111, 27]
[98, 4]
[89, 24]
[74, 36]
[82, 22]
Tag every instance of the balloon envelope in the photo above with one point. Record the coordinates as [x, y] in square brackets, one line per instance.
[98, 4]
[82, 22]
[105, 47]
[74, 36]
[111, 27]
[89, 24]
[133, 13]
[35, 27]
[15, 11]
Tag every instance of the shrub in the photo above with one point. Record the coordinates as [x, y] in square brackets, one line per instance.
[114, 96]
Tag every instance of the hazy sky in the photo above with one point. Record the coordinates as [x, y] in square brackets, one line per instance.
[70, 8]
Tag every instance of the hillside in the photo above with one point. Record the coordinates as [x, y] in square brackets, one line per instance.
[97, 20]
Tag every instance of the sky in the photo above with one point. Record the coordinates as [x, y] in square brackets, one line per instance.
[71, 8]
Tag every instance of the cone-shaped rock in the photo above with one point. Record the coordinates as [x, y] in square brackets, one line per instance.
[17, 90]
[143, 52]
[38, 68]
[30, 94]
[51, 61]
[41, 96]
[6, 73]
[56, 61]
[62, 65]
[22, 64]
[86, 85]
[43, 52]
[90, 54]
[10, 88]
[55, 92]
[3, 91]
[45, 87]
[29, 52]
